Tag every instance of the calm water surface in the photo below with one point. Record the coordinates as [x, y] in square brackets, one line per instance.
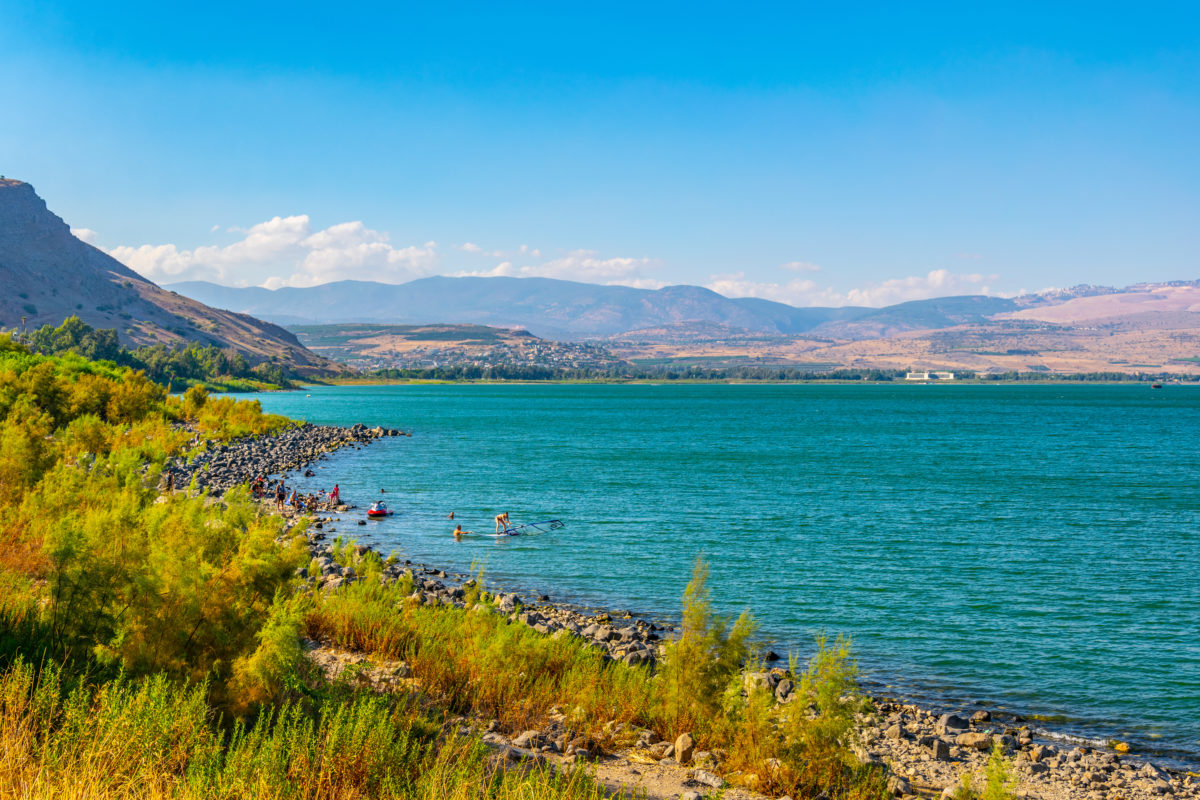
[1037, 548]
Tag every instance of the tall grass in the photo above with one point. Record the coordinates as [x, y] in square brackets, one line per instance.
[474, 662]
[151, 738]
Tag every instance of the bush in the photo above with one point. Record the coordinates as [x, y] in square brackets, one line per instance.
[699, 666]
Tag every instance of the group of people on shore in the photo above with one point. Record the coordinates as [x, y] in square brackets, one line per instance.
[292, 498]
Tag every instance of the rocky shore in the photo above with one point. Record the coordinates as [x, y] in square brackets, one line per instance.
[928, 751]
[925, 751]
[622, 636]
[220, 467]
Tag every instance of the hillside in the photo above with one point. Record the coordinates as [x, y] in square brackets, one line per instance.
[48, 274]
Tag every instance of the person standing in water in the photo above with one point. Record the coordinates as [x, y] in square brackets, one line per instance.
[502, 522]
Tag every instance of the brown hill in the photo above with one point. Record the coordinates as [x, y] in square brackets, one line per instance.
[48, 274]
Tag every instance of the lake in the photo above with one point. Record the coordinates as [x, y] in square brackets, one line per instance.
[1034, 548]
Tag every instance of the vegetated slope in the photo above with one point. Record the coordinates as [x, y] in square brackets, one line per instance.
[48, 274]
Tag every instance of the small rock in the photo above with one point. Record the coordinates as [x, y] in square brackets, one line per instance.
[684, 746]
[951, 722]
[759, 680]
[976, 741]
[707, 778]
[894, 732]
[981, 716]
[899, 786]
[939, 750]
[1150, 771]
[528, 739]
[690, 796]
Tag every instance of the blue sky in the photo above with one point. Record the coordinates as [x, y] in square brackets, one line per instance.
[867, 153]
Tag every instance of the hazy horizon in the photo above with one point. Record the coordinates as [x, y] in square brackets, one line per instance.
[169, 284]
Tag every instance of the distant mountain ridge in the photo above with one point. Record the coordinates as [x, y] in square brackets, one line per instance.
[569, 310]
[48, 274]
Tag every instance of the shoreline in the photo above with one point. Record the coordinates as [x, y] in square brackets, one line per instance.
[637, 639]
[1172, 381]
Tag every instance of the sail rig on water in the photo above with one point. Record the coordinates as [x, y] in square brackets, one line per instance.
[531, 527]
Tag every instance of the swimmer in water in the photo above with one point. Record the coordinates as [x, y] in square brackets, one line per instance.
[458, 532]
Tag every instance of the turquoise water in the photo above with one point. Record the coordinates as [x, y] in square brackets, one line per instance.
[1036, 548]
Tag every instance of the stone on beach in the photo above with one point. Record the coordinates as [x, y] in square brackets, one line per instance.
[974, 740]
[684, 746]
[952, 722]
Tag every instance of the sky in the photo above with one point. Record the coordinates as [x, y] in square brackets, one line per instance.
[814, 154]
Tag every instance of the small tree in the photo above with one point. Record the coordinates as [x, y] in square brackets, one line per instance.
[194, 400]
[699, 665]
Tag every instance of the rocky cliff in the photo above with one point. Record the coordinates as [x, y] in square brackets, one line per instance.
[48, 274]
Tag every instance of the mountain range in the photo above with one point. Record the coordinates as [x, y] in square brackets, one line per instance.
[567, 310]
[49, 274]
[1136, 329]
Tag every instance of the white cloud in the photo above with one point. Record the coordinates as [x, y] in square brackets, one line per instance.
[805, 292]
[578, 265]
[84, 235]
[801, 266]
[524, 250]
[286, 246]
[796, 292]
[641, 283]
[938, 283]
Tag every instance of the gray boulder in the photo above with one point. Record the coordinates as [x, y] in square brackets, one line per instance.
[951, 722]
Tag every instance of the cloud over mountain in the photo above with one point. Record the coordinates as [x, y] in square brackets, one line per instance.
[285, 251]
[808, 292]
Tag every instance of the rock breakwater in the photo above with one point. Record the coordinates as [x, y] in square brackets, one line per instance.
[221, 466]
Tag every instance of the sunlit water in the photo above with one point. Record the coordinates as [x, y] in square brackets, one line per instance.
[1036, 548]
